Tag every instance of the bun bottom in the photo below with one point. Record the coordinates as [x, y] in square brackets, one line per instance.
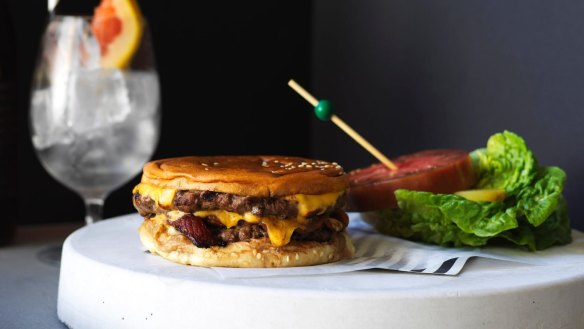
[161, 239]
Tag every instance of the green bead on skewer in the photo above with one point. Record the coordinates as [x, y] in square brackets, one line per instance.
[323, 110]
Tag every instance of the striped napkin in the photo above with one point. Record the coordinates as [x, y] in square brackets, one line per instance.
[377, 251]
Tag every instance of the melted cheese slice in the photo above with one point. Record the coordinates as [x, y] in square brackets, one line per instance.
[229, 219]
[279, 231]
[162, 196]
[310, 203]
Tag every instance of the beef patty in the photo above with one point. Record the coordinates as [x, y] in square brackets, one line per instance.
[207, 232]
[190, 201]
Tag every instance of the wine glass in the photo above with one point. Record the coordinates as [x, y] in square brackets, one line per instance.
[93, 126]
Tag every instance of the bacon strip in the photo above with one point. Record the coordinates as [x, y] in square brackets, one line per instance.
[196, 230]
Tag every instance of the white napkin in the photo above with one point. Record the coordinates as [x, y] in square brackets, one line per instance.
[376, 251]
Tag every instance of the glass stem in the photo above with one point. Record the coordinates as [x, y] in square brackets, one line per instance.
[93, 210]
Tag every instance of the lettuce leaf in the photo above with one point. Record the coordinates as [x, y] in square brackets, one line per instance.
[424, 227]
[533, 215]
[555, 230]
[505, 163]
[538, 201]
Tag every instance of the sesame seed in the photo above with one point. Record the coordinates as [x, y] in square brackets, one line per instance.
[297, 256]
[206, 168]
[287, 259]
[259, 256]
[204, 164]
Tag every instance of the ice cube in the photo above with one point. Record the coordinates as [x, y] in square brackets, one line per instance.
[97, 99]
[92, 152]
[76, 46]
[144, 93]
[48, 125]
[68, 49]
[60, 45]
[89, 54]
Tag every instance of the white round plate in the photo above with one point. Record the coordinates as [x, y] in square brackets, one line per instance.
[108, 280]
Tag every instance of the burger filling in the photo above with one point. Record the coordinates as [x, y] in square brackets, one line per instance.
[216, 219]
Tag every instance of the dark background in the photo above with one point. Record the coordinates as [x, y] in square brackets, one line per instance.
[408, 75]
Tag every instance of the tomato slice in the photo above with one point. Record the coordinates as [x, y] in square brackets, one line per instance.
[436, 171]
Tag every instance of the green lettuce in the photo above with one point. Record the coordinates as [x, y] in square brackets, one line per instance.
[533, 215]
[505, 163]
[538, 201]
[555, 230]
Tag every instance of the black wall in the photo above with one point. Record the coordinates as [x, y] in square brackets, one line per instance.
[411, 75]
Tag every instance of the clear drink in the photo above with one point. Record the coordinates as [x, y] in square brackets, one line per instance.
[97, 164]
[93, 125]
[97, 143]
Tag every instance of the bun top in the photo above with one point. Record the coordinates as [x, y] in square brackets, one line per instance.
[262, 176]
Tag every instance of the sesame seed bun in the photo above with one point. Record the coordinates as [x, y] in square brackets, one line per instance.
[159, 238]
[262, 176]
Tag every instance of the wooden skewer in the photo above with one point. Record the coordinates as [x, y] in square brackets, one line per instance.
[302, 92]
[345, 127]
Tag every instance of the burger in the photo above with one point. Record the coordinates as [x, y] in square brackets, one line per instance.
[244, 211]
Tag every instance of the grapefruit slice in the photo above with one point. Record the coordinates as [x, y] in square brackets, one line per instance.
[117, 26]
